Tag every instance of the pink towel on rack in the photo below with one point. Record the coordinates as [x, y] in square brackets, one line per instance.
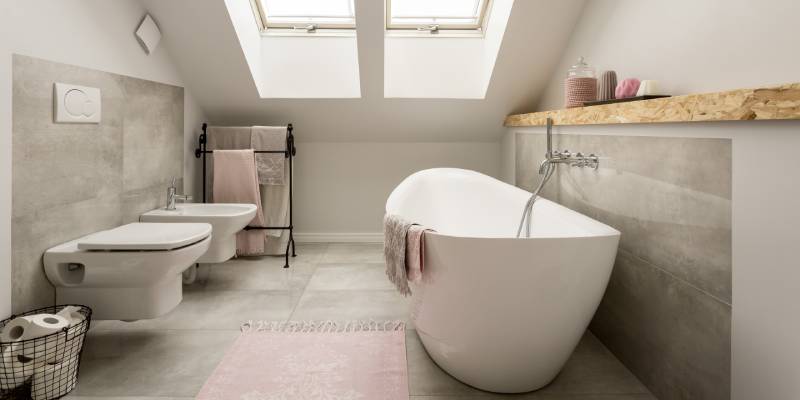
[415, 252]
[236, 181]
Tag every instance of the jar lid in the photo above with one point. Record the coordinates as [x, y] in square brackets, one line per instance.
[581, 69]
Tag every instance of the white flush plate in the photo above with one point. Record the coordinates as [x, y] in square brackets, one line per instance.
[76, 104]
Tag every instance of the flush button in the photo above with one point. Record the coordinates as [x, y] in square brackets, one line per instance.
[76, 104]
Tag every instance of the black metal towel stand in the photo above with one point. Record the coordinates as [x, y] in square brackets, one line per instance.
[289, 153]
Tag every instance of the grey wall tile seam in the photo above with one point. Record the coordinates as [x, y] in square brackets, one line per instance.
[675, 277]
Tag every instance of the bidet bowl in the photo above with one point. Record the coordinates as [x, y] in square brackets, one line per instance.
[226, 220]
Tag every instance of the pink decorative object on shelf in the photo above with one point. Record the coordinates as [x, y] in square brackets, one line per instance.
[627, 88]
[580, 90]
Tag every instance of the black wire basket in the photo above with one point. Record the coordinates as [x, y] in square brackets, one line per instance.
[44, 367]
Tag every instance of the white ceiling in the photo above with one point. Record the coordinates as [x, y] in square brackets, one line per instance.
[201, 39]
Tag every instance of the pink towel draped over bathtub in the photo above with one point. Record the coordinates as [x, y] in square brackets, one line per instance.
[404, 251]
[415, 252]
[236, 181]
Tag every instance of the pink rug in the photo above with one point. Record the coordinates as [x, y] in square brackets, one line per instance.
[313, 360]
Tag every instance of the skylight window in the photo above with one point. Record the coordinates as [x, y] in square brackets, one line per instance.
[434, 15]
[306, 15]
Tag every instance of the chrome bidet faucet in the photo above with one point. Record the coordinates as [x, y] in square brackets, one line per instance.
[173, 197]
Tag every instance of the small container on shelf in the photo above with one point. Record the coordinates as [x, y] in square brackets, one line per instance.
[580, 85]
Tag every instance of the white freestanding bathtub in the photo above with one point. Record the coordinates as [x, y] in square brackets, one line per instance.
[499, 313]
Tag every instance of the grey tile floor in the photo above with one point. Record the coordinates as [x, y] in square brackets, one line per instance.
[171, 357]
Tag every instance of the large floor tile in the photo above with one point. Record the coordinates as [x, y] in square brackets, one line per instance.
[592, 369]
[256, 274]
[209, 309]
[350, 277]
[353, 253]
[150, 363]
[309, 253]
[351, 305]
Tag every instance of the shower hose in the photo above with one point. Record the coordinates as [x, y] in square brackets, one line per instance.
[526, 213]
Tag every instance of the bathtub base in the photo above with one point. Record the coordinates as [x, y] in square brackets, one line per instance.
[512, 378]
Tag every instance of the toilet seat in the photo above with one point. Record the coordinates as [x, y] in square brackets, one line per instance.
[140, 236]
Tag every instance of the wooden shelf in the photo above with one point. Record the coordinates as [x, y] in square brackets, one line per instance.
[770, 103]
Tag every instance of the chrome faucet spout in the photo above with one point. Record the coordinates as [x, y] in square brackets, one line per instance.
[173, 196]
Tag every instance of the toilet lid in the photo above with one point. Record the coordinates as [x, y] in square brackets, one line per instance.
[146, 236]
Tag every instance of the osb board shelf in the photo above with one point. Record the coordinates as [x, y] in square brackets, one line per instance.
[779, 102]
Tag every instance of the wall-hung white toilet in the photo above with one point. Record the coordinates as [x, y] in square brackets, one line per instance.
[127, 273]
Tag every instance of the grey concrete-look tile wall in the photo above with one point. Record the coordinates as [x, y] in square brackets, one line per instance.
[69, 180]
[666, 313]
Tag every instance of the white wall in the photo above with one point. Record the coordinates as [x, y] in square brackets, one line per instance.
[193, 119]
[249, 36]
[688, 46]
[341, 188]
[713, 45]
[441, 66]
[309, 67]
[95, 34]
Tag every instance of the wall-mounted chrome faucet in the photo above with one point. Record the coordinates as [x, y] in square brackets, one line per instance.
[573, 159]
[546, 168]
[173, 197]
[565, 157]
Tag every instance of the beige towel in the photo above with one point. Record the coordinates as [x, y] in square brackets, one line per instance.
[270, 166]
[395, 229]
[235, 181]
[415, 252]
[229, 137]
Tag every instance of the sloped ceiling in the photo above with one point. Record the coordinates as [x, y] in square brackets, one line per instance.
[201, 39]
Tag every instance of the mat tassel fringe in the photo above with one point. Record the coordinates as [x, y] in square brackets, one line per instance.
[322, 326]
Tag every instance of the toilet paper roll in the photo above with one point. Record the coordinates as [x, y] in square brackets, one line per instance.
[14, 371]
[72, 314]
[54, 380]
[14, 330]
[48, 349]
[33, 326]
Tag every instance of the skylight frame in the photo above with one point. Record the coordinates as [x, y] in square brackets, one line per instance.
[478, 26]
[319, 22]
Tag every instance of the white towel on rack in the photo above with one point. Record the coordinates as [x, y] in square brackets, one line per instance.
[276, 207]
[270, 166]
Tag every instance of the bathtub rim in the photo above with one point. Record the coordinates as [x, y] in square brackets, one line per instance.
[595, 229]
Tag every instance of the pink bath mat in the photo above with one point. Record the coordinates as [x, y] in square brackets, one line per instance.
[313, 361]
